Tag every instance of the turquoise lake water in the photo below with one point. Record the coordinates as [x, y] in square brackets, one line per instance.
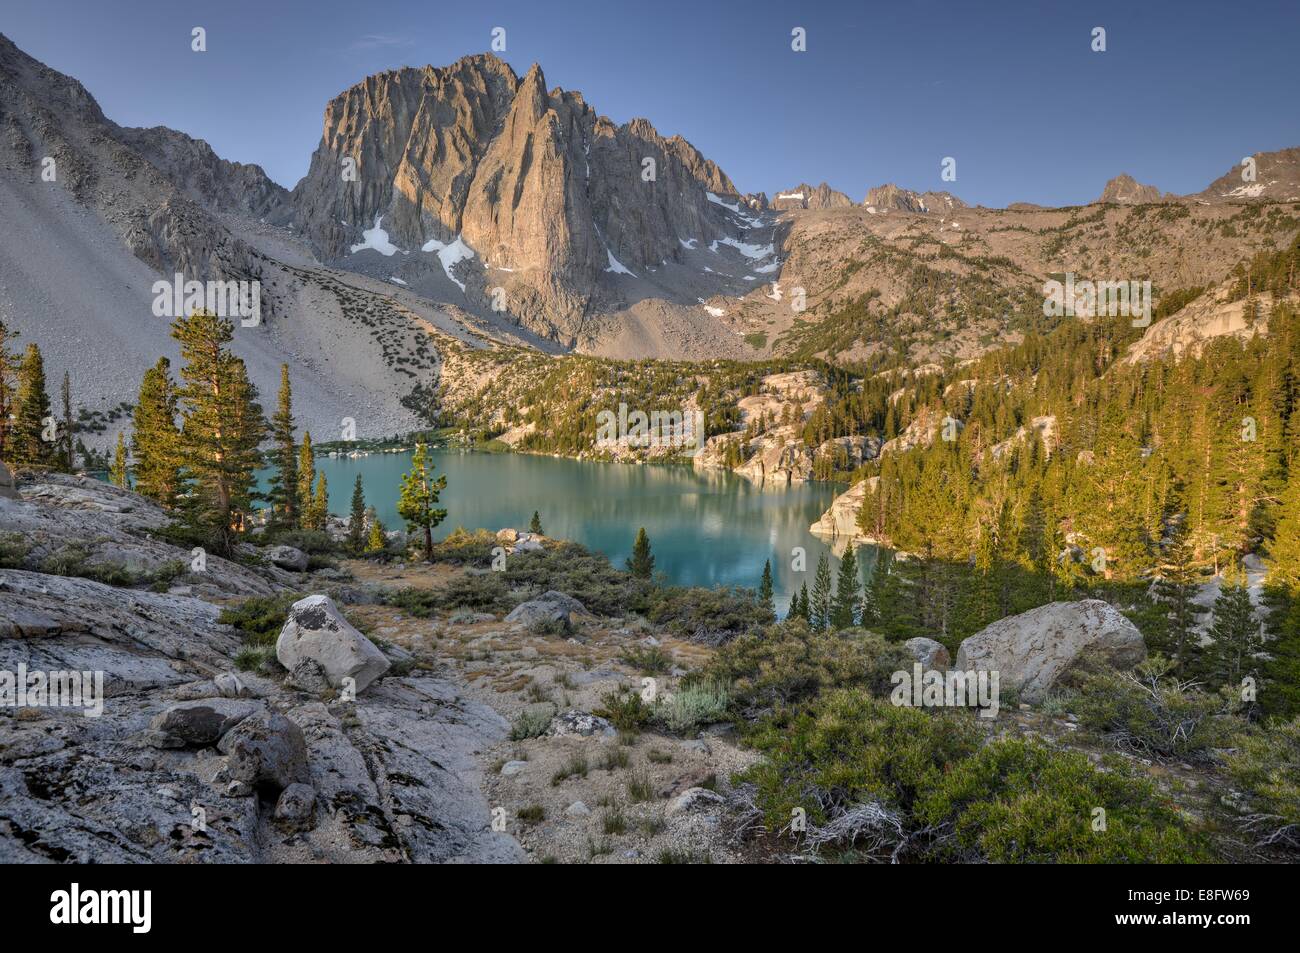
[705, 529]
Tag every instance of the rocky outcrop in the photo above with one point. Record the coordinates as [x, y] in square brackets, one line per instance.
[317, 635]
[1125, 190]
[1211, 316]
[840, 521]
[849, 453]
[1044, 428]
[892, 198]
[777, 460]
[80, 524]
[1033, 651]
[810, 197]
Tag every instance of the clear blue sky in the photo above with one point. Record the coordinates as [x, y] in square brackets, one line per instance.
[1010, 88]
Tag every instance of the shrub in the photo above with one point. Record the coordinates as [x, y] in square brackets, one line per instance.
[547, 626]
[640, 789]
[482, 592]
[849, 749]
[708, 616]
[572, 569]
[463, 548]
[624, 709]
[259, 619]
[576, 767]
[789, 663]
[529, 724]
[1153, 713]
[257, 658]
[14, 548]
[313, 542]
[533, 814]
[905, 783]
[648, 659]
[694, 705]
[1017, 801]
[1266, 766]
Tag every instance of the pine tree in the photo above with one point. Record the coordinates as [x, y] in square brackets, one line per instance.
[120, 474]
[765, 590]
[33, 413]
[419, 496]
[803, 609]
[377, 541]
[535, 525]
[307, 516]
[1236, 634]
[221, 428]
[848, 592]
[9, 362]
[155, 438]
[67, 447]
[641, 563]
[285, 505]
[320, 503]
[357, 518]
[1175, 587]
[820, 612]
[1280, 692]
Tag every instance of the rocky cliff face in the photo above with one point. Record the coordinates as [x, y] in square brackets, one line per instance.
[539, 195]
[892, 198]
[1185, 333]
[1125, 190]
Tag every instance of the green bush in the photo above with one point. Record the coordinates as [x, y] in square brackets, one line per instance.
[881, 781]
[481, 592]
[647, 659]
[624, 709]
[849, 748]
[14, 548]
[1266, 767]
[313, 542]
[1018, 802]
[463, 548]
[259, 619]
[529, 724]
[708, 616]
[788, 663]
[572, 569]
[693, 706]
[1153, 713]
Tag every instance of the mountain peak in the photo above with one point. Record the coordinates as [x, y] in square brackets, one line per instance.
[804, 195]
[1126, 190]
